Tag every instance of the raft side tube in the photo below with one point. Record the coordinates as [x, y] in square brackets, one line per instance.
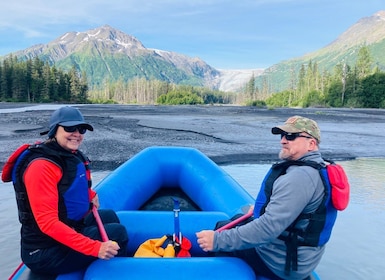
[129, 185]
[208, 185]
[166, 268]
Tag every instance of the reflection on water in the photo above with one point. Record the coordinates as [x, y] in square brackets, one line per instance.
[356, 249]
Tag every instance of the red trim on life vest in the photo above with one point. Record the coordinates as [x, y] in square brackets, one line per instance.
[6, 175]
[340, 187]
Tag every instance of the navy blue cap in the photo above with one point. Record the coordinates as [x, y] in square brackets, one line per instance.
[66, 116]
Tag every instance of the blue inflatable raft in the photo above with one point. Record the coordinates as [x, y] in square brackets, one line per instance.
[142, 190]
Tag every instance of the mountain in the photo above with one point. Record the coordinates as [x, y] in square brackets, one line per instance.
[107, 54]
[369, 31]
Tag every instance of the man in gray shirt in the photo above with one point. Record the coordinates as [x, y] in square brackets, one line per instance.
[275, 243]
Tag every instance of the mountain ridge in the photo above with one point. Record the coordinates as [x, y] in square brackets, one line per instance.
[107, 54]
[369, 31]
[106, 47]
[119, 43]
[357, 33]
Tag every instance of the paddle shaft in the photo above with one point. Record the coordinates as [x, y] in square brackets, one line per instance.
[236, 221]
[99, 222]
[177, 232]
[17, 270]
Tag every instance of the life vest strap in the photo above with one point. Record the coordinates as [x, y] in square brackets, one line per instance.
[291, 242]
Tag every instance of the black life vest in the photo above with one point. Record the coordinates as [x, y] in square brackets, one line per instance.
[321, 221]
[73, 197]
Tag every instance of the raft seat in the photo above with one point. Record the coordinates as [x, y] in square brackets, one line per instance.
[144, 225]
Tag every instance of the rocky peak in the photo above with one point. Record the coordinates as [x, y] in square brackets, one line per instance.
[105, 36]
[380, 15]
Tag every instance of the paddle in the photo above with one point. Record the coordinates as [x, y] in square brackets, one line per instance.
[181, 244]
[99, 222]
[237, 221]
[19, 270]
[177, 232]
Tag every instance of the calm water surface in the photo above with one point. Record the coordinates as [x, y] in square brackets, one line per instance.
[355, 251]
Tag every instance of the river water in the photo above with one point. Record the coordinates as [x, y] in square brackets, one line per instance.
[356, 249]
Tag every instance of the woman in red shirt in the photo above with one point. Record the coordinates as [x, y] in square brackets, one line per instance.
[53, 190]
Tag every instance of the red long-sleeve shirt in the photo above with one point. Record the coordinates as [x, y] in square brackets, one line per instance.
[41, 179]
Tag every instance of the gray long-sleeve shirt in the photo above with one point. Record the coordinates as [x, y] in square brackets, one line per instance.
[299, 190]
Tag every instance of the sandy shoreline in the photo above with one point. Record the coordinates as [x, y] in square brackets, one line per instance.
[227, 134]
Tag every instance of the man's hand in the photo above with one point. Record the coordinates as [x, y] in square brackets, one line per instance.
[206, 240]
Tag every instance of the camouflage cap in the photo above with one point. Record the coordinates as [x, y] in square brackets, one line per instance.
[298, 124]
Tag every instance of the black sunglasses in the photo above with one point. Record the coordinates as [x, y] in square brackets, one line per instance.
[73, 128]
[293, 136]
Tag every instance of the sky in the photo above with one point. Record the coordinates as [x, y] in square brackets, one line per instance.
[226, 34]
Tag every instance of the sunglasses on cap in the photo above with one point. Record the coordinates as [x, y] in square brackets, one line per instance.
[73, 128]
[293, 136]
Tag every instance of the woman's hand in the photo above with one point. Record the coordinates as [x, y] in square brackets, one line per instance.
[95, 201]
[108, 250]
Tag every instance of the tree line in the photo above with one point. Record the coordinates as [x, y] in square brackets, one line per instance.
[35, 81]
[143, 91]
[357, 86]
